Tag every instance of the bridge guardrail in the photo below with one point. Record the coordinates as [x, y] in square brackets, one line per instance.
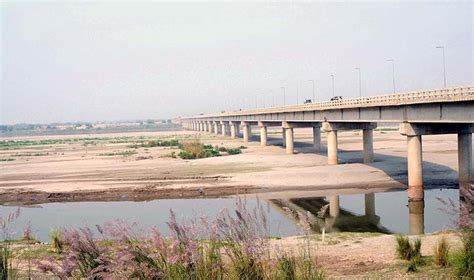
[417, 97]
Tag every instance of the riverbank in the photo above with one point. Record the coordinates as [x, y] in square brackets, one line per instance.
[339, 256]
[107, 166]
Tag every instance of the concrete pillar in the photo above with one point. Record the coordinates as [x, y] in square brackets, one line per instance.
[334, 205]
[233, 130]
[332, 147]
[368, 139]
[224, 129]
[216, 128]
[283, 131]
[246, 132]
[289, 141]
[369, 199]
[209, 127]
[415, 168]
[317, 138]
[465, 156]
[416, 217]
[263, 135]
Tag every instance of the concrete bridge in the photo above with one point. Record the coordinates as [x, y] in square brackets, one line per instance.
[445, 111]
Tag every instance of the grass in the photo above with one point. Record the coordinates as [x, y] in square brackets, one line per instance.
[234, 245]
[125, 153]
[156, 143]
[462, 260]
[441, 252]
[7, 159]
[409, 251]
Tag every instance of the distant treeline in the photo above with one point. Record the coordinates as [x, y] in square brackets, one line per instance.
[85, 128]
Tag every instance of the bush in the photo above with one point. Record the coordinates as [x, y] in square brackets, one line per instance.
[407, 250]
[463, 259]
[234, 151]
[57, 240]
[441, 251]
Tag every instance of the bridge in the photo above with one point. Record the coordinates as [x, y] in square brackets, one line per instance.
[444, 111]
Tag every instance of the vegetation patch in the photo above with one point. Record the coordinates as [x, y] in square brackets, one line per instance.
[120, 153]
[194, 150]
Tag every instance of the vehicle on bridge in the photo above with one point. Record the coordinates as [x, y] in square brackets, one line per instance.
[336, 98]
[308, 101]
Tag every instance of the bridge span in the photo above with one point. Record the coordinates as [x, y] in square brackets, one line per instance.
[445, 111]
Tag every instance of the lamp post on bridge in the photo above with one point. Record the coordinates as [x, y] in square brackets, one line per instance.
[273, 98]
[444, 64]
[332, 78]
[393, 72]
[297, 93]
[284, 97]
[360, 83]
[314, 97]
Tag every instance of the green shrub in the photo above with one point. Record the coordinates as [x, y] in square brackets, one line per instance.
[409, 251]
[234, 151]
[57, 241]
[441, 251]
[463, 259]
[286, 267]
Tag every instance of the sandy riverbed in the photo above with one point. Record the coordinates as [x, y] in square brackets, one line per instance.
[87, 169]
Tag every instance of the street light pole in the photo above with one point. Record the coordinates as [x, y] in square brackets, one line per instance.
[297, 93]
[393, 72]
[444, 64]
[314, 97]
[360, 83]
[284, 97]
[332, 78]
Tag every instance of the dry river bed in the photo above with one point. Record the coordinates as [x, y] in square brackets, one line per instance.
[105, 167]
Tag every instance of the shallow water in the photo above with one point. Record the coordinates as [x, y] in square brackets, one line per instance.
[392, 213]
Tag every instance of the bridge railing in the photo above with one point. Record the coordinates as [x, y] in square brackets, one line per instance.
[417, 97]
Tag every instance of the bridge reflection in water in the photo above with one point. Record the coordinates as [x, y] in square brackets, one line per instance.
[327, 213]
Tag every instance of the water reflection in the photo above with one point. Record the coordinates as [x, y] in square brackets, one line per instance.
[347, 216]
[336, 219]
[416, 217]
[385, 212]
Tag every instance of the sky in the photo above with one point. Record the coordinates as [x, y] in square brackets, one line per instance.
[118, 60]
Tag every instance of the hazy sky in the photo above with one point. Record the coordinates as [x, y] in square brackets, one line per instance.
[89, 61]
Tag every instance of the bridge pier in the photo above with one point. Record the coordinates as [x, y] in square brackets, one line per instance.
[367, 136]
[415, 168]
[283, 133]
[246, 130]
[263, 133]
[209, 127]
[317, 138]
[233, 130]
[332, 147]
[216, 128]
[414, 132]
[223, 128]
[334, 206]
[368, 140]
[465, 157]
[369, 200]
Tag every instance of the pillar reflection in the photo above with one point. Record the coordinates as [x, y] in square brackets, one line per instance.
[416, 217]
